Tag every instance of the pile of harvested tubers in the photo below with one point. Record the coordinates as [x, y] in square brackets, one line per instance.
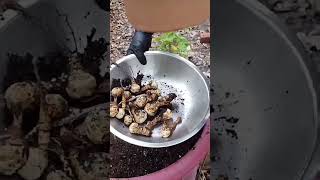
[142, 108]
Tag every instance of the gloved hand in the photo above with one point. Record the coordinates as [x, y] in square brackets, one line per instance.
[140, 43]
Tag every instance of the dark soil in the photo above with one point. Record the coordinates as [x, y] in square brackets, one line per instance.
[128, 160]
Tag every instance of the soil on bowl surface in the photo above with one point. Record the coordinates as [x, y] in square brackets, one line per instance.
[128, 160]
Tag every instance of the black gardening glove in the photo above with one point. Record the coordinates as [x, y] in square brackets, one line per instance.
[104, 4]
[140, 43]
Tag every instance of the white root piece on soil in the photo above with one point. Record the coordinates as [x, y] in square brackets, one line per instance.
[95, 127]
[81, 84]
[134, 128]
[94, 167]
[12, 158]
[35, 165]
[57, 175]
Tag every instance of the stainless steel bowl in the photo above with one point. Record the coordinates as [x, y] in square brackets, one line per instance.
[185, 80]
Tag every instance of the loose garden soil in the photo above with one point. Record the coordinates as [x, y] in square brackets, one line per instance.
[129, 160]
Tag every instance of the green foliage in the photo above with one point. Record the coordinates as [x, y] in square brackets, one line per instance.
[174, 43]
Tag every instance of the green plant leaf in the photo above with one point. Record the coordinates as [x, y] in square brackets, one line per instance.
[174, 43]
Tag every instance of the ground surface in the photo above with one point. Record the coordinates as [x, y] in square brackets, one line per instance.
[125, 156]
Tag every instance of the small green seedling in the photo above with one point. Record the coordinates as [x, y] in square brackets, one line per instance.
[174, 43]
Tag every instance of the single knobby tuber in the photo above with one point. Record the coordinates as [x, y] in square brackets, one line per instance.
[139, 115]
[141, 101]
[167, 115]
[128, 120]
[134, 128]
[151, 85]
[21, 96]
[57, 106]
[152, 108]
[12, 158]
[127, 94]
[168, 127]
[95, 127]
[117, 92]
[152, 95]
[120, 113]
[81, 84]
[135, 88]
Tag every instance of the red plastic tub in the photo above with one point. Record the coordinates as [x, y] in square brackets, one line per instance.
[186, 167]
